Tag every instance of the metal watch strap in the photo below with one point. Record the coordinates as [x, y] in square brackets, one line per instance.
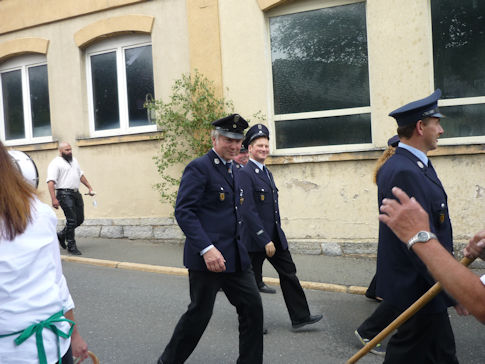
[421, 237]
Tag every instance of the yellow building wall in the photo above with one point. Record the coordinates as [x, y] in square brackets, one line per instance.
[21, 14]
[120, 169]
[324, 197]
[331, 197]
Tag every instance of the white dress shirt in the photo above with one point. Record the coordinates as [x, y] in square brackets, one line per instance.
[63, 173]
[32, 288]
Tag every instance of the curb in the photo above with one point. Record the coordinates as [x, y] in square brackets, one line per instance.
[160, 269]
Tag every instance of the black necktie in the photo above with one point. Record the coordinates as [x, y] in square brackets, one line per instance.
[229, 168]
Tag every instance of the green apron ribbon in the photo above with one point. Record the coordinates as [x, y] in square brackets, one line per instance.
[37, 329]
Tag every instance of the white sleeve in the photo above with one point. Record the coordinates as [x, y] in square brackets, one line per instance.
[52, 172]
[67, 302]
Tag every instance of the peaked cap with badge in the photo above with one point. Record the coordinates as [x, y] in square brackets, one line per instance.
[254, 132]
[418, 110]
[231, 126]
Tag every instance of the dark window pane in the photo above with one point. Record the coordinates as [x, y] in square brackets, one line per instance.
[463, 121]
[319, 59]
[348, 129]
[39, 101]
[139, 80]
[13, 109]
[459, 47]
[105, 91]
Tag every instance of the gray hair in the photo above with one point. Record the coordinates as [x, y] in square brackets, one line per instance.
[215, 133]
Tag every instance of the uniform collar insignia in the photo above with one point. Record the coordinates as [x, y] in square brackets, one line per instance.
[217, 161]
[420, 164]
[256, 170]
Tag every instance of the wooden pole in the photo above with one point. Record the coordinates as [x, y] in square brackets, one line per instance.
[402, 318]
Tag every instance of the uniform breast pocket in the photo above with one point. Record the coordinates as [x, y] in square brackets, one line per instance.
[221, 194]
[261, 195]
[440, 213]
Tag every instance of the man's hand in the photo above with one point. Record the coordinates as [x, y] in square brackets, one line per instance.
[270, 249]
[91, 192]
[79, 347]
[55, 203]
[475, 247]
[214, 260]
[461, 310]
[406, 218]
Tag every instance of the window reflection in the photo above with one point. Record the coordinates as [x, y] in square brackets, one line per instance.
[139, 82]
[459, 47]
[39, 101]
[105, 91]
[348, 129]
[13, 109]
[316, 55]
[319, 63]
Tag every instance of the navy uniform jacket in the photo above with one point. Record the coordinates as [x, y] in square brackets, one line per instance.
[402, 277]
[261, 213]
[208, 212]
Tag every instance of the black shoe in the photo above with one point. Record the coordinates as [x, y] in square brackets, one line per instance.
[73, 250]
[310, 320]
[372, 296]
[62, 240]
[265, 289]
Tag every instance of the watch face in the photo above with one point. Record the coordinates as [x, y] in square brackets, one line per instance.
[423, 236]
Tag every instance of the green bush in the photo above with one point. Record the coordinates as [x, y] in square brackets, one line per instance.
[185, 121]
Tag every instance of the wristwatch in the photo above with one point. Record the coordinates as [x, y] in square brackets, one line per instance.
[421, 237]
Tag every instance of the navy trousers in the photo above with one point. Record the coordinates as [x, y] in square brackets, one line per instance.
[242, 292]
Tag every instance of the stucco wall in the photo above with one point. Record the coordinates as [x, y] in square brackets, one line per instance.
[335, 201]
[121, 173]
[324, 197]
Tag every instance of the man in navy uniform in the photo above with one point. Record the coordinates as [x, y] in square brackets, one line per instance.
[262, 227]
[402, 277]
[208, 212]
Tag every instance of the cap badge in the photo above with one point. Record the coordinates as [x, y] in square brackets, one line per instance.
[236, 118]
[216, 160]
[260, 126]
[420, 164]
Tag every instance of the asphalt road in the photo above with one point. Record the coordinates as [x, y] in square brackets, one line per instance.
[128, 317]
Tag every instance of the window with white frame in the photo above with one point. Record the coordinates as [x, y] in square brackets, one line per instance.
[24, 100]
[120, 78]
[320, 75]
[459, 66]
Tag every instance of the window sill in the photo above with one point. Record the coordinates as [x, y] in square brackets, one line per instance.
[374, 154]
[34, 147]
[129, 138]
